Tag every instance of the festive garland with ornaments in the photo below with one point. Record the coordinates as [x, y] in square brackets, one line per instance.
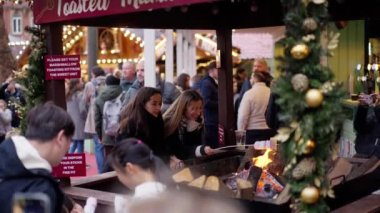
[310, 112]
[32, 76]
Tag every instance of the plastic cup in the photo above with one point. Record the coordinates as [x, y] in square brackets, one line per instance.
[240, 137]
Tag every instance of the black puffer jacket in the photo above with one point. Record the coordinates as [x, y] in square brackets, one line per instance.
[14, 177]
[368, 131]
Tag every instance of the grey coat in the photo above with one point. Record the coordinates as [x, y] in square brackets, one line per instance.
[77, 112]
[110, 92]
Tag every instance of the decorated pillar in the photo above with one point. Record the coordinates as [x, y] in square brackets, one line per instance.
[310, 110]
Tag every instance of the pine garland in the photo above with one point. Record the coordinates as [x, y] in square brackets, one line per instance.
[33, 76]
[311, 113]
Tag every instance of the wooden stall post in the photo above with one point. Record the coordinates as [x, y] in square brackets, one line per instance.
[226, 110]
[55, 89]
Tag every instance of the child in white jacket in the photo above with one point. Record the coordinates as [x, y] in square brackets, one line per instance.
[138, 169]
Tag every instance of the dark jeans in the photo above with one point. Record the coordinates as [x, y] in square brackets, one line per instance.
[2, 138]
[77, 145]
[254, 135]
[211, 136]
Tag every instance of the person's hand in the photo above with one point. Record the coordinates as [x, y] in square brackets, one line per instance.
[363, 99]
[209, 150]
[175, 163]
[377, 100]
[77, 209]
[9, 79]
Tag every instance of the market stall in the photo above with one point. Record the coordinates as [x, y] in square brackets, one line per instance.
[223, 16]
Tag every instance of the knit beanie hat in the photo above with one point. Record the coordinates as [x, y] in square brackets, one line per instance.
[112, 80]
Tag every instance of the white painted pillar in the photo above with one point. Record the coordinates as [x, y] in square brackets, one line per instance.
[185, 52]
[169, 56]
[149, 58]
[179, 53]
[193, 54]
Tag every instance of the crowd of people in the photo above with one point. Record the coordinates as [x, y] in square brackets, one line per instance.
[142, 133]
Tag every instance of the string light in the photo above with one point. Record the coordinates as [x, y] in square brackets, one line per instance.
[112, 61]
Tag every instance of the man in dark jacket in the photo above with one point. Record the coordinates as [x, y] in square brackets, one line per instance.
[209, 92]
[26, 162]
[129, 75]
[368, 130]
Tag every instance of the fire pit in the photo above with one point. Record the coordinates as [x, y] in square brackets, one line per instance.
[353, 179]
[268, 191]
[251, 176]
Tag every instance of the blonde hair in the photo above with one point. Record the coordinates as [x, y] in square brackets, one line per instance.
[174, 114]
[261, 61]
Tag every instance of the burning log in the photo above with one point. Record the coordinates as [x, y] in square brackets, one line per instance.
[244, 189]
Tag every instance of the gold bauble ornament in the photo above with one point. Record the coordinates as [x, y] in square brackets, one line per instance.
[309, 147]
[310, 195]
[300, 51]
[314, 98]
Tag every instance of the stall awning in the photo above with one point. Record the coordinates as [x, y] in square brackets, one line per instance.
[51, 11]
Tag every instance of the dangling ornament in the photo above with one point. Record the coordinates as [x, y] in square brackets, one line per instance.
[309, 147]
[310, 195]
[304, 168]
[300, 82]
[309, 24]
[318, 1]
[300, 51]
[314, 98]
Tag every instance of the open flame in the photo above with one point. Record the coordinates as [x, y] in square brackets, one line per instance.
[262, 161]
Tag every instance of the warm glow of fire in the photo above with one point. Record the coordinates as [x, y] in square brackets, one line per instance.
[262, 161]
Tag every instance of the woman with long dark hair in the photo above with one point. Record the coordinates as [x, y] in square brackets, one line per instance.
[184, 127]
[142, 119]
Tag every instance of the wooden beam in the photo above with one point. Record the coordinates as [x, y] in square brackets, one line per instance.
[55, 89]
[226, 110]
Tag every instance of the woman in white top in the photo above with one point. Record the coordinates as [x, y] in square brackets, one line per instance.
[251, 114]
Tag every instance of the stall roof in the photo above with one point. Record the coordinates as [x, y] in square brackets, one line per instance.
[186, 14]
[173, 14]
